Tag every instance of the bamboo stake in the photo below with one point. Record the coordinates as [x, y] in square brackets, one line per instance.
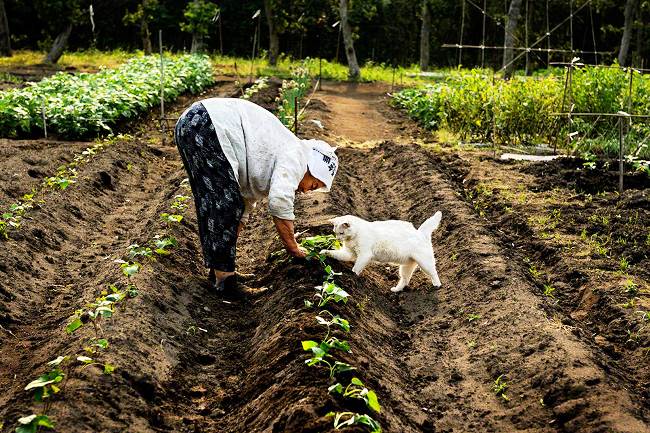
[162, 88]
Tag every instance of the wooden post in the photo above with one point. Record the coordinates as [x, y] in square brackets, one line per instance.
[621, 167]
[320, 74]
[392, 85]
[162, 88]
[44, 120]
[295, 115]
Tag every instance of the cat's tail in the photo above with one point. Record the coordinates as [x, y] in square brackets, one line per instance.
[430, 225]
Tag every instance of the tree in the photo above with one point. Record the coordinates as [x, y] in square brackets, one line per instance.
[199, 15]
[60, 16]
[630, 9]
[354, 72]
[142, 16]
[274, 37]
[514, 12]
[425, 36]
[5, 39]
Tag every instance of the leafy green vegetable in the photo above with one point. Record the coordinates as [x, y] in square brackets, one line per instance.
[85, 104]
[31, 423]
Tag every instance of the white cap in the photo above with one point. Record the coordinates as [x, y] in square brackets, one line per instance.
[323, 162]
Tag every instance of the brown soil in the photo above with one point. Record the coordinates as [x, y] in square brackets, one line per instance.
[190, 361]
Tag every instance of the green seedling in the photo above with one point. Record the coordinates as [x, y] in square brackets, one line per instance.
[534, 272]
[161, 244]
[95, 345]
[129, 269]
[59, 182]
[499, 388]
[86, 361]
[629, 304]
[645, 315]
[330, 292]
[46, 384]
[31, 423]
[633, 337]
[179, 202]
[170, 219]
[471, 344]
[319, 353]
[346, 419]
[103, 307]
[548, 291]
[623, 264]
[356, 389]
[630, 287]
[472, 317]
[332, 320]
[136, 250]
[315, 244]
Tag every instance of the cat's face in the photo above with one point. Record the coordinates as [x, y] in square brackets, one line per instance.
[342, 228]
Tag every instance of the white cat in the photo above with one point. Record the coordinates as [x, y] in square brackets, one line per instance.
[397, 242]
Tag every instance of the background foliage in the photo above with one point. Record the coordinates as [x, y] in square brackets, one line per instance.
[387, 30]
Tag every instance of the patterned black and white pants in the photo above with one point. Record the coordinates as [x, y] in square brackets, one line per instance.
[218, 200]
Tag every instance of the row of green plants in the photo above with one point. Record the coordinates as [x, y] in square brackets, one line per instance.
[344, 384]
[85, 104]
[476, 106]
[292, 91]
[259, 84]
[12, 217]
[110, 300]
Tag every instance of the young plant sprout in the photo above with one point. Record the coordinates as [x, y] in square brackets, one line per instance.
[320, 352]
[346, 419]
[170, 219]
[179, 202]
[356, 389]
[136, 250]
[161, 244]
[95, 345]
[130, 268]
[548, 290]
[31, 423]
[87, 362]
[334, 320]
[315, 244]
[330, 292]
[103, 307]
[46, 384]
[500, 387]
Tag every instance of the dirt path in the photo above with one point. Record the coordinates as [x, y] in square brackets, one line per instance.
[190, 361]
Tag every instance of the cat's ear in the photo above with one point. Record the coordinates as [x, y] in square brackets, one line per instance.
[345, 225]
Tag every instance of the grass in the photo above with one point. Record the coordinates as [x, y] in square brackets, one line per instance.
[86, 60]
[406, 76]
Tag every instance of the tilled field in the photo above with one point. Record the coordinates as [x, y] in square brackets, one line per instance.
[190, 361]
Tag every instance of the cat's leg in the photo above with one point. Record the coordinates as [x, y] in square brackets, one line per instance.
[428, 264]
[362, 261]
[405, 274]
[342, 255]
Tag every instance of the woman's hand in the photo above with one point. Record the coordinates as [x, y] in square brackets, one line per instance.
[285, 230]
[298, 252]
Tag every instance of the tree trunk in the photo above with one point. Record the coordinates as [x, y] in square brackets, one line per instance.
[354, 73]
[514, 14]
[146, 36]
[58, 46]
[274, 38]
[5, 41]
[425, 36]
[630, 9]
[197, 43]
